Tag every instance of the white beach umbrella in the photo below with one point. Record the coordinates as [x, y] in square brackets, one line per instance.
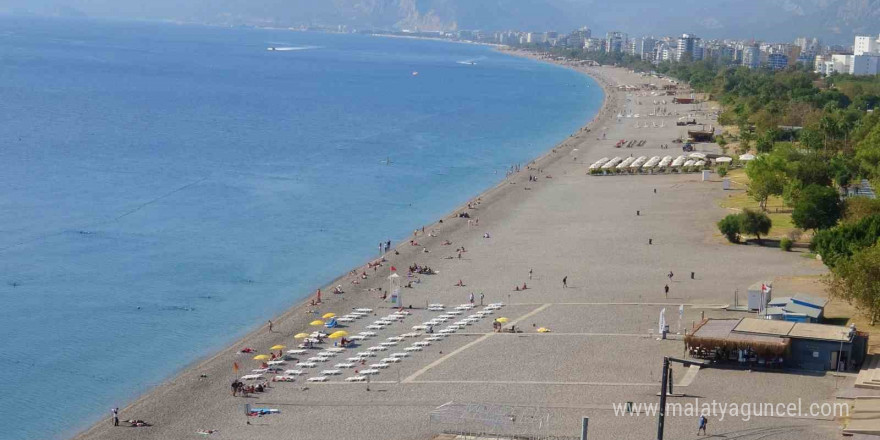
[747, 157]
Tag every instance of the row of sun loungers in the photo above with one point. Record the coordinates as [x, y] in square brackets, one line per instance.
[375, 368]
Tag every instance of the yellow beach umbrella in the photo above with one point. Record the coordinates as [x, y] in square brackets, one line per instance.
[277, 347]
[543, 330]
[317, 322]
[502, 320]
[329, 315]
[301, 335]
[339, 334]
[262, 357]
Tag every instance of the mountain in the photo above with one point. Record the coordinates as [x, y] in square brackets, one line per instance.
[780, 20]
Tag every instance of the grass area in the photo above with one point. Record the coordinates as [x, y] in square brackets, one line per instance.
[737, 200]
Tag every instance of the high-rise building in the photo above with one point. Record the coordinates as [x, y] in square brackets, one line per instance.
[866, 46]
[751, 57]
[777, 61]
[688, 48]
[647, 49]
[635, 47]
[615, 42]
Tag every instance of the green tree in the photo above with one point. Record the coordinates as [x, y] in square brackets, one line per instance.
[755, 223]
[838, 244]
[730, 226]
[855, 281]
[765, 179]
[817, 207]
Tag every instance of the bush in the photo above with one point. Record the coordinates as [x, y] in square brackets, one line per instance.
[785, 244]
[722, 170]
[730, 226]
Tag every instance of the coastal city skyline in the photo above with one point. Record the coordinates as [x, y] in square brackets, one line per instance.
[365, 219]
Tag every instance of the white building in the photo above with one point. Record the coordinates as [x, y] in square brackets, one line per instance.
[866, 46]
[688, 45]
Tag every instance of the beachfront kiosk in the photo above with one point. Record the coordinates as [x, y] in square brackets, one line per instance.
[770, 343]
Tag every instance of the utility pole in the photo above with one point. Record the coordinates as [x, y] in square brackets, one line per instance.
[666, 382]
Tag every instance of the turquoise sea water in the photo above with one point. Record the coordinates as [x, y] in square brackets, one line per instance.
[165, 189]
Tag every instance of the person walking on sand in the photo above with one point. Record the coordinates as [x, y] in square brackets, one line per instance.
[481, 298]
[565, 282]
[270, 326]
[670, 275]
[666, 290]
[115, 416]
[703, 423]
[530, 274]
[471, 297]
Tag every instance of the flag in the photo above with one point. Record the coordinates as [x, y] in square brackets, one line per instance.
[235, 367]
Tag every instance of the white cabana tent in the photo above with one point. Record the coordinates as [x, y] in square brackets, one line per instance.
[723, 159]
[747, 157]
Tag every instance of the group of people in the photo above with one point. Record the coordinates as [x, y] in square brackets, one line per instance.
[238, 387]
[423, 270]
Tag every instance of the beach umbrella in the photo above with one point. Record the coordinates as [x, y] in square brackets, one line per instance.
[329, 315]
[502, 320]
[262, 357]
[300, 335]
[337, 335]
[317, 322]
[543, 330]
[277, 347]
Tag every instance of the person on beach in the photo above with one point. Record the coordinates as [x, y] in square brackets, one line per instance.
[670, 275]
[530, 274]
[481, 298]
[565, 282]
[703, 424]
[115, 416]
[471, 298]
[270, 326]
[666, 290]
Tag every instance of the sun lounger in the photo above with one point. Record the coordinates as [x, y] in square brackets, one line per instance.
[411, 335]
[390, 360]
[294, 372]
[284, 379]
[399, 355]
[435, 305]
[251, 377]
[434, 338]
[446, 331]
[455, 312]
[317, 359]
[318, 379]
[377, 348]
[260, 370]
[421, 344]
[276, 363]
[364, 354]
[356, 379]
[367, 333]
[344, 365]
[364, 310]
[330, 372]
[396, 338]
[336, 349]
[345, 319]
[435, 309]
[412, 348]
[327, 353]
[370, 371]
[389, 344]
[296, 351]
[419, 327]
[379, 365]
[306, 365]
[354, 359]
[374, 327]
[359, 337]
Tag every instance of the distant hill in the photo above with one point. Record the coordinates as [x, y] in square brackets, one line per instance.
[833, 20]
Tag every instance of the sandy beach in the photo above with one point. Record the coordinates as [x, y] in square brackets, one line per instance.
[548, 222]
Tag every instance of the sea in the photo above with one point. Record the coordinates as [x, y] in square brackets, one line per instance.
[167, 188]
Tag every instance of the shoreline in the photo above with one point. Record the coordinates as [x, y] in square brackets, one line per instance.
[295, 318]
